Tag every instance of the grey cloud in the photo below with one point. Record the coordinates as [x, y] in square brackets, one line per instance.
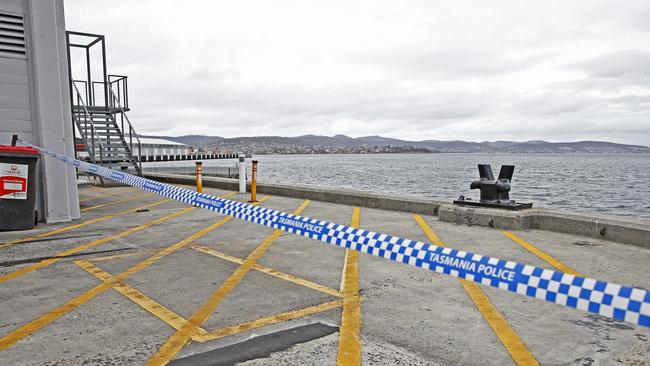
[426, 61]
[617, 64]
[452, 70]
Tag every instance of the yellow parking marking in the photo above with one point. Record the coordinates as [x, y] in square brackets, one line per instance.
[84, 194]
[37, 324]
[349, 352]
[125, 255]
[178, 340]
[48, 262]
[82, 224]
[91, 188]
[115, 192]
[269, 320]
[115, 202]
[108, 193]
[99, 193]
[270, 271]
[515, 346]
[147, 303]
[95, 197]
[541, 254]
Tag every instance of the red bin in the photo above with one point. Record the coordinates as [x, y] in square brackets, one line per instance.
[17, 187]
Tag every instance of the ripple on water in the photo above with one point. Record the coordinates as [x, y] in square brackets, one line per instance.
[612, 183]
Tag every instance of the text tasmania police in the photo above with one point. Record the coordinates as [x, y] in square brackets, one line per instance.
[467, 265]
[300, 225]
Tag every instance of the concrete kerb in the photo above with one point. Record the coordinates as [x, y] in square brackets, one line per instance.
[325, 194]
[627, 231]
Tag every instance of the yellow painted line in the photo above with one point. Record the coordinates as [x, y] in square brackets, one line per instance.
[131, 198]
[270, 271]
[48, 262]
[93, 188]
[95, 197]
[147, 303]
[433, 238]
[84, 194]
[269, 320]
[37, 324]
[114, 191]
[82, 224]
[541, 254]
[349, 352]
[515, 346]
[125, 255]
[104, 194]
[178, 340]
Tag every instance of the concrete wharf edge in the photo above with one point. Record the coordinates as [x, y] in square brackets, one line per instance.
[627, 231]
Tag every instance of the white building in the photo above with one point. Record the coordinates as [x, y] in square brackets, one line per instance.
[165, 149]
[35, 97]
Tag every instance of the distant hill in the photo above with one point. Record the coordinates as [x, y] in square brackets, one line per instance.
[342, 143]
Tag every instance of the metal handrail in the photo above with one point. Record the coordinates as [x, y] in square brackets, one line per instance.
[121, 83]
[85, 83]
[89, 117]
[208, 171]
[131, 129]
[92, 92]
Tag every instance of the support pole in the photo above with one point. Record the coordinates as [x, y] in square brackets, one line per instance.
[242, 173]
[199, 178]
[254, 182]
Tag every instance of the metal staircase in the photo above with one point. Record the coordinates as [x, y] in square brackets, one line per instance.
[100, 113]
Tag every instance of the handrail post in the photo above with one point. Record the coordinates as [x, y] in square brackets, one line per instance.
[131, 129]
[106, 85]
[126, 92]
[89, 118]
[140, 156]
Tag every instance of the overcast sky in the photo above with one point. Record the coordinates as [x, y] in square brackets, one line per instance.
[471, 70]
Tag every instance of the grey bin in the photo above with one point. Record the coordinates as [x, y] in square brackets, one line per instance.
[17, 187]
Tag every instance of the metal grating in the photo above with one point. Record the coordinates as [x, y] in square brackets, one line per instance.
[12, 36]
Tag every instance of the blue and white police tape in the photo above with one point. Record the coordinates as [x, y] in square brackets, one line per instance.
[608, 299]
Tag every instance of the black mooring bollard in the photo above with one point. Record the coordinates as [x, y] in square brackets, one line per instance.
[494, 193]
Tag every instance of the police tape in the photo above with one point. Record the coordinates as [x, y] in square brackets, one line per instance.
[607, 299]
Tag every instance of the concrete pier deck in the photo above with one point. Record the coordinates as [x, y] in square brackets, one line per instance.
[145, 280]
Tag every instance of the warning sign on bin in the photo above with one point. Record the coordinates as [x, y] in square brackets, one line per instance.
[13, 181]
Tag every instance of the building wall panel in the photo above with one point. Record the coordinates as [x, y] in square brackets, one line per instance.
[12, 6]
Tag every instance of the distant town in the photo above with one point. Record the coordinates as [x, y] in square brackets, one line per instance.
[341, 144]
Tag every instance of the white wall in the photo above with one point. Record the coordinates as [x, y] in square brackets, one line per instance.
[162, 150]
[35, 103]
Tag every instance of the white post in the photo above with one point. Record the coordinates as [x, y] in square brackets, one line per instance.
[242, 173]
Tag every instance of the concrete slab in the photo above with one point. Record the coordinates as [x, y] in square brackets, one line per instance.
[422, 312]
[409, 316]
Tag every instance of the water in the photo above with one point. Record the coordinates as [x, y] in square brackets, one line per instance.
[617, 184]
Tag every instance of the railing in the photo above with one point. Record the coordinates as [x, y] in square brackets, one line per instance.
[208, 171]
[120, 84]
[120, 89]
[84, 97]
[132, 134]
[94, 137]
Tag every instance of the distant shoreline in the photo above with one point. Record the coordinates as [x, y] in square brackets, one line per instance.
[340, 144]
[467, 152]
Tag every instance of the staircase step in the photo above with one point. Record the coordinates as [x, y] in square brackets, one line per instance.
[100, 125]
[111, 153]
[96, 122]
